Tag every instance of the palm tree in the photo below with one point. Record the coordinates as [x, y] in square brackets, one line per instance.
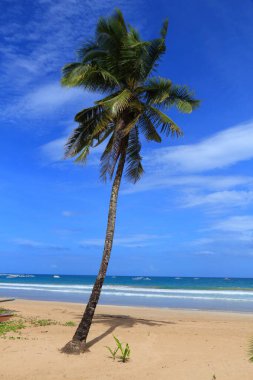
[120, 65]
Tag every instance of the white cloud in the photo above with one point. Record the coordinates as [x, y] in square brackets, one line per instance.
[39, 45]
[239, 224]
[234, 230]
[163, 179]
[134, 241]
[223, 149]
[53, 151]
[49, 35]
[47, 99]
[34, 244]
[220, 199]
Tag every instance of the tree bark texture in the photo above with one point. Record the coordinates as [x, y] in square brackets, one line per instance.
[78, 342]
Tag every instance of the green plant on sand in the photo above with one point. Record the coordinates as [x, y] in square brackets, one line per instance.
[251, 351]
[69, 323]
[11, 326]
[120, 65]
[113, 352]
[42, 322]
[124, 350]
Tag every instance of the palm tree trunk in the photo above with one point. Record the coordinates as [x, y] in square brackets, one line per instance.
[78, 342]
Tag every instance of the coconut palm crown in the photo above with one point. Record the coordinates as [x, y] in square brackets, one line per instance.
[121, 65]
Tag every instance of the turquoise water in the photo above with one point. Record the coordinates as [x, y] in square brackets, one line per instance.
[231, 294]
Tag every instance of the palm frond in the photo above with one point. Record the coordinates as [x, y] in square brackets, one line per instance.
[183, 98]
[112, 153]
[112, 27]
[156, 90]
[148, 129]
[154, 51]
[134, 168]
[161, 120]
[83, 155]
[86, 48]
[164, 29]
[104, 135]
[105, 160]
[118, 63]
[89, 76]
[117, 103]
[93, 122]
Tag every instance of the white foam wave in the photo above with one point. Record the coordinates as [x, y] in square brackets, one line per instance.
[137, 294]
[130, 289]
[124, 291]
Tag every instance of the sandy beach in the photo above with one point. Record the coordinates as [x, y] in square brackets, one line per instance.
[165, 344]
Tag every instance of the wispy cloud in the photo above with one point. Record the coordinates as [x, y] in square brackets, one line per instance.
[162, 179]
[34, 244]
[38, 46]
[53, 151]
[133, 241]
[236, 224]
[47, 101]
[230, 236]
[223, 149]
[188, 168]
[220, 199]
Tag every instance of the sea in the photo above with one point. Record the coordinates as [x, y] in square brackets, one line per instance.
[201, 293]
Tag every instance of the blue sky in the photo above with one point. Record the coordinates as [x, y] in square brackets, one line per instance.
[192, 212]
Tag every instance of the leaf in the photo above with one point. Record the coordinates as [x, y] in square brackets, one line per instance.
[166, 123]
[157, 90]
[118, 344]
[148, 129]
[118, 103]
[182, 98]
[134, 169]
[83, 156]
[164, 29]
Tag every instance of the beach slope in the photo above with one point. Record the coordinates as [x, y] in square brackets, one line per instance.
[165, 344]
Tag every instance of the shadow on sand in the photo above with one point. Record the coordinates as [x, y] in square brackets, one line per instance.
[114, 321]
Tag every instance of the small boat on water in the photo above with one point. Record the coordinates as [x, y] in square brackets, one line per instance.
[56, 276]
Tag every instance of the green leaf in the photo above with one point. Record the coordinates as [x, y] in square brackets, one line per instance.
[134, 169]
[164, 29]
[118, 103]
[148, 129]
[165, 122]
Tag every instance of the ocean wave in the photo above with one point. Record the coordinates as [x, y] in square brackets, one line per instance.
[130, 294]
[130, 289]
[125, 291]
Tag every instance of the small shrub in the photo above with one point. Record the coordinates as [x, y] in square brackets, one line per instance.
[69, 323]
[11, 326]
[43, 322]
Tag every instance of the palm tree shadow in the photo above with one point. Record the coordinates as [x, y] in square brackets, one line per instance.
[114, 321]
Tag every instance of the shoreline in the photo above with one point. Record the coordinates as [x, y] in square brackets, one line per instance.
[179, 344]
[137, 307]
